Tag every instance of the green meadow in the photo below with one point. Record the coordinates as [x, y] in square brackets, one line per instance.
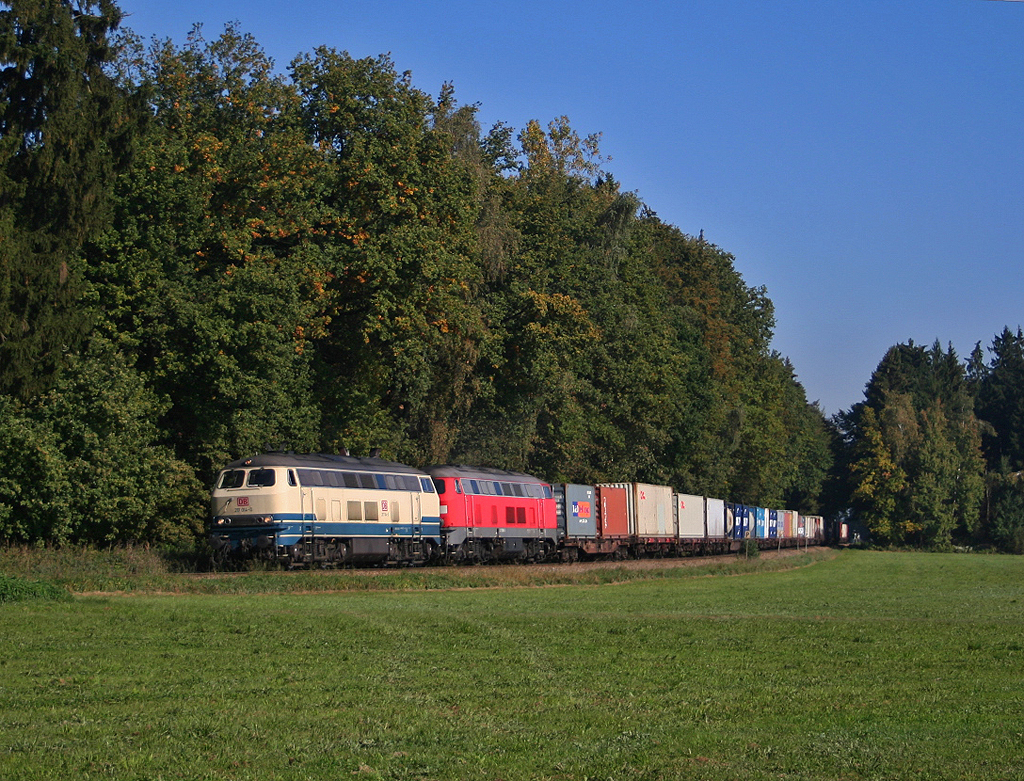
[853, 665]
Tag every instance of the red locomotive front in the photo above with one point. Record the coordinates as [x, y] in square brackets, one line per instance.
[491, 514]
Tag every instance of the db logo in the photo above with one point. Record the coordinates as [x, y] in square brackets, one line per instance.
[383, 505]
[243, 501]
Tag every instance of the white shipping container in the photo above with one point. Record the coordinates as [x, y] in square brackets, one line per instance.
[716, 517]
[815, 526]
[653, 510]
[690, 515]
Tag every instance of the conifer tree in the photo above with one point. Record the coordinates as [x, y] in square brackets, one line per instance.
[63, 132]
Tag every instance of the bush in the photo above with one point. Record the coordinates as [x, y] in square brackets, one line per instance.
[20, 590]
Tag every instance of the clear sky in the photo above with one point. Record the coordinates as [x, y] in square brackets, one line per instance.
[863, 160]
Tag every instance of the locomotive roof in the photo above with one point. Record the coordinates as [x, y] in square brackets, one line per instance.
[481, 473]
[321, 461]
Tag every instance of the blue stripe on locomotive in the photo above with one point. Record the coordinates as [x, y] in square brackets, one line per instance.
[290, 528]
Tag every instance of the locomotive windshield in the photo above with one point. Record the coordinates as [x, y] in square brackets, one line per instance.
[261, 477]
[258, 478]
[232, 478]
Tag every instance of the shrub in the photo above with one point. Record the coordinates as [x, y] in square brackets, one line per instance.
[20, 590]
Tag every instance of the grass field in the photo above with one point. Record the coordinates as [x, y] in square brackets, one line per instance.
[861, 665]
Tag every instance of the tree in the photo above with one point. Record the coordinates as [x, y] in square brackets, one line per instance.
[915, 449]
[1007, 513]
[212, 277]
[80, 463]
[396, 365]
[1000, 402]
[880, 480]
[65, 131]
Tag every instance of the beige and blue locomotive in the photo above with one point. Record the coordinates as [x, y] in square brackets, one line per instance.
[324, 508]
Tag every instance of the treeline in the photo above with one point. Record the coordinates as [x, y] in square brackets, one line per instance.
[934, 454]
[203, 259]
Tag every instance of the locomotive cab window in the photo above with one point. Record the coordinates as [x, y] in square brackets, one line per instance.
[233, 478]
[259, 478]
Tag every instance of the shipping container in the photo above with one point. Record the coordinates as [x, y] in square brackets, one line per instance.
[773, 524]
[715, 514]
[814, 526]
[788, 524]
[690, 520]
[614, 510]
[730, 520]
[652, 509]
[761, 527]
[741, 515]
[577, 510]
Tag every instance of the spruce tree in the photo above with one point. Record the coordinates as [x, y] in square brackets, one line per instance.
[63, 131]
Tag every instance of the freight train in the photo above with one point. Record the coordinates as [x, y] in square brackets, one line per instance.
[341, 510]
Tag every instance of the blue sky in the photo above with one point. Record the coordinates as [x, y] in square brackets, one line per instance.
[863, 160]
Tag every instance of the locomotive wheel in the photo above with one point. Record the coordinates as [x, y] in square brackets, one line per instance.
[340, 553]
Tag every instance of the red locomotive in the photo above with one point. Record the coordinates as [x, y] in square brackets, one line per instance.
[494, 515]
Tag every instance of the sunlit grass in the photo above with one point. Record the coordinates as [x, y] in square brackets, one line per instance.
[867, 665]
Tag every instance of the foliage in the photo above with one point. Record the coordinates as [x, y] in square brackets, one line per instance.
[1000, 402]
[915, 450]
[13, 589]
[1007, 519]
[396, 363]
[209, 275]
[65, 131]
[80, 463]
[236, 259]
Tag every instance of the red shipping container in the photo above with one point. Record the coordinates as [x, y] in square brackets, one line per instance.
[614, 513]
